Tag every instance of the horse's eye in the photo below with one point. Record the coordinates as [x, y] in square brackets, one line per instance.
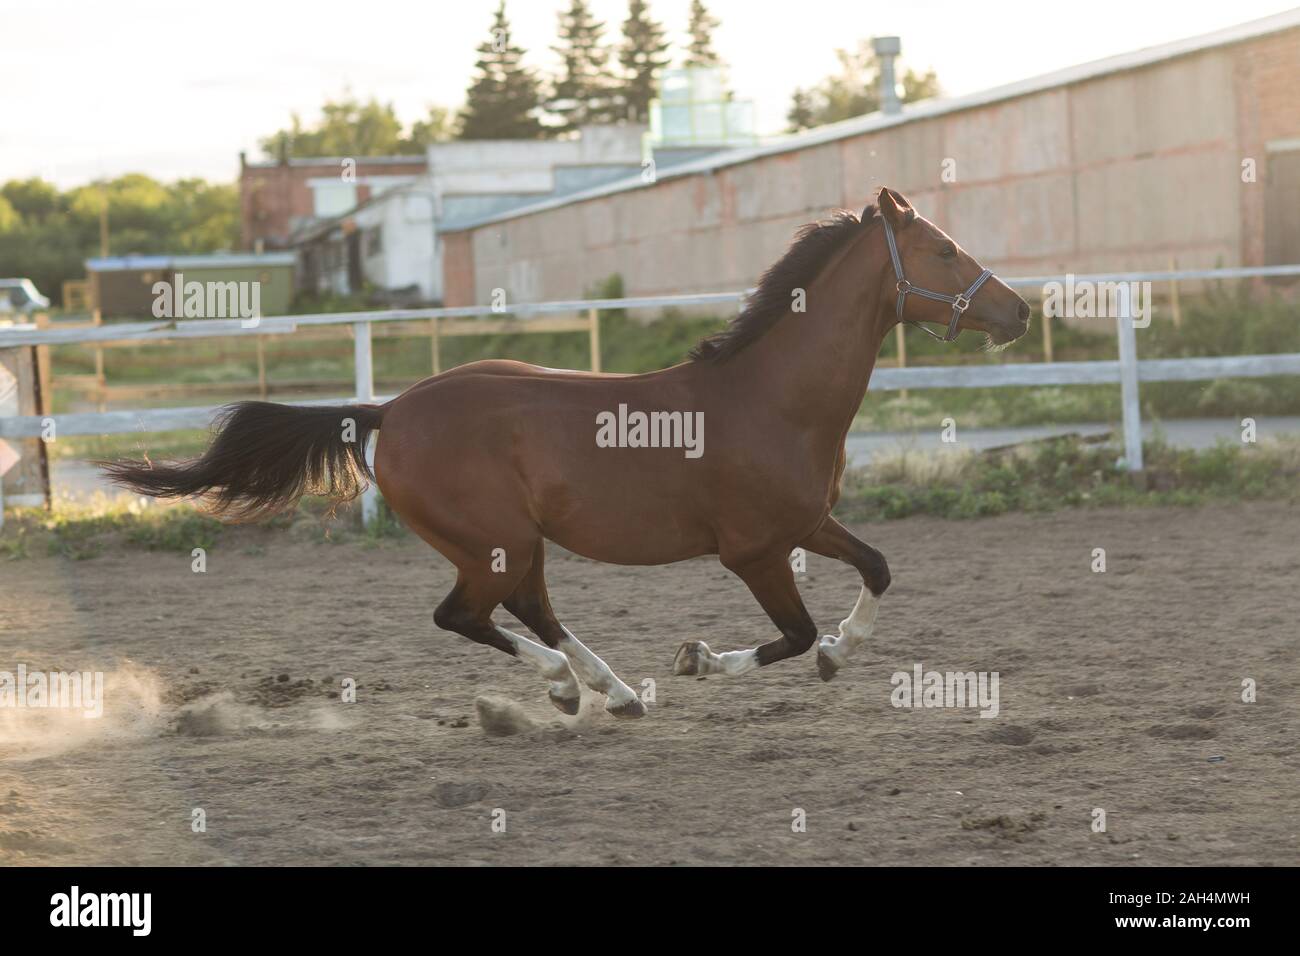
[949, 252]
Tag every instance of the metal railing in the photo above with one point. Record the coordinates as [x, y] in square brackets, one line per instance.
[1127, 371]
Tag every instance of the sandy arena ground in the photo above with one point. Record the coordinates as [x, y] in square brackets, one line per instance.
[1118, 690]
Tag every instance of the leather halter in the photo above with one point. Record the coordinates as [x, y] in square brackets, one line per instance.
[960, 302]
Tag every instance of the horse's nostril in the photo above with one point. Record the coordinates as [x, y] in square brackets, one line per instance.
[1024, 311]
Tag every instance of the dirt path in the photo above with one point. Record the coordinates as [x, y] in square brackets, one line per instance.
[1116, 691]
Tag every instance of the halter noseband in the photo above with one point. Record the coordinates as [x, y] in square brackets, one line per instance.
[960, 302]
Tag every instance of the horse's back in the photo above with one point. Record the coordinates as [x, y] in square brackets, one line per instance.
[509, 368]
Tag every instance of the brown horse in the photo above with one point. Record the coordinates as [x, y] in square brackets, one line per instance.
[488, 461]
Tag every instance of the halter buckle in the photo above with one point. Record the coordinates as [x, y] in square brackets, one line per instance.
[961, 303]
[903, 287]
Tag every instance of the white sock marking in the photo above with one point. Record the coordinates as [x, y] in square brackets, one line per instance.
[730, 663]
[595, 673]
[734, 663]
[553, 665]
[855, 630]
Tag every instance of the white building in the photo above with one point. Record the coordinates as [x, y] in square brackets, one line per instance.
[390, 242]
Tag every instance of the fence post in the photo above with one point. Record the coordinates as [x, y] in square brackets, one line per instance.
[900, 334]
[262, 390]
[436, 348]
[365, 375]
[44, 406]
[593, 323]
[101, 380]
[1173, 294]
[1128, 380]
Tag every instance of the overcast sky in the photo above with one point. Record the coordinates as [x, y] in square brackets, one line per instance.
[177, 88]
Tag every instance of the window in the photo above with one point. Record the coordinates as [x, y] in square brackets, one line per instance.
[333, 199]
[1282, 204]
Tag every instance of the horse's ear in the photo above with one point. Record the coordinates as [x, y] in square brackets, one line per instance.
[896, 210]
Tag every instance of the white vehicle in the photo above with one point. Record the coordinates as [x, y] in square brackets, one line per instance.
[19, 295]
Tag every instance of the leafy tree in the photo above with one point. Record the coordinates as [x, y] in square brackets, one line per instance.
[503, 99]
[699, 52]
[205, 216]
[438, 127]
[349, 127]
[853, 91]
[582, 93]
[642, 55]
[919, 86]
[140, 213]
[34, 200]
[9, 218]
[803, 111]
[53, 233]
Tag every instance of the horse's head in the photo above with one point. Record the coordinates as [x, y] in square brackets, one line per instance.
[933, 263]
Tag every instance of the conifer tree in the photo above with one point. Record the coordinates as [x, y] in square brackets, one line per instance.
[503, 100]
[583, 92]
[699, 52]
[642, 56]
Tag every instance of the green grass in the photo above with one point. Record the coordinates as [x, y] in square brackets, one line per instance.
[1040, 476]
[1065, 472]
[84, 532]
[386, 526]
[157, 445]
[14, 543]
[1055, 405]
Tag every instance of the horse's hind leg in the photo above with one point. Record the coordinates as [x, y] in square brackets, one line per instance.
[532, 605]
[467, 610]
[772, 582]
[833, 540]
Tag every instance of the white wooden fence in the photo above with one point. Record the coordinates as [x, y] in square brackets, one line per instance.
[1127, 372]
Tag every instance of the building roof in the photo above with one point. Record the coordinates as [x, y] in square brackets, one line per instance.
[925, 109]
[414, 159]
[311, 231]
[235, 260]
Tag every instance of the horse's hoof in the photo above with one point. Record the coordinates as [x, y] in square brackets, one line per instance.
[826, 668]
[633, 708]
[566, 705]
[690, 658]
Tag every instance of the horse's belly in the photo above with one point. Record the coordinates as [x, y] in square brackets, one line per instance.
[625, 524]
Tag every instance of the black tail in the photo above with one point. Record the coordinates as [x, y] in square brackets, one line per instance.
[264, 457]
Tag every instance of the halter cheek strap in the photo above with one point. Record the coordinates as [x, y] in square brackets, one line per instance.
[960, 302]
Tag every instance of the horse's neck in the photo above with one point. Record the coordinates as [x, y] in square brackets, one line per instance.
[812, 367]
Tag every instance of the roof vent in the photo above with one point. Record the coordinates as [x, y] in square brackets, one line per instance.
[887, 48]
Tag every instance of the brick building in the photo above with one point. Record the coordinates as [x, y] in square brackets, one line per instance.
[279, 198]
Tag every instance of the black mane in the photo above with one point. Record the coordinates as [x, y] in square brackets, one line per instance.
[813, 245]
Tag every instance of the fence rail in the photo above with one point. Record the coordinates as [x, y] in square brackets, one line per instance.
[1127, 371]
[126, 421]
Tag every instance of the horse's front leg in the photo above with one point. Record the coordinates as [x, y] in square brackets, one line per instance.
[772, 583]
[833, 540]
